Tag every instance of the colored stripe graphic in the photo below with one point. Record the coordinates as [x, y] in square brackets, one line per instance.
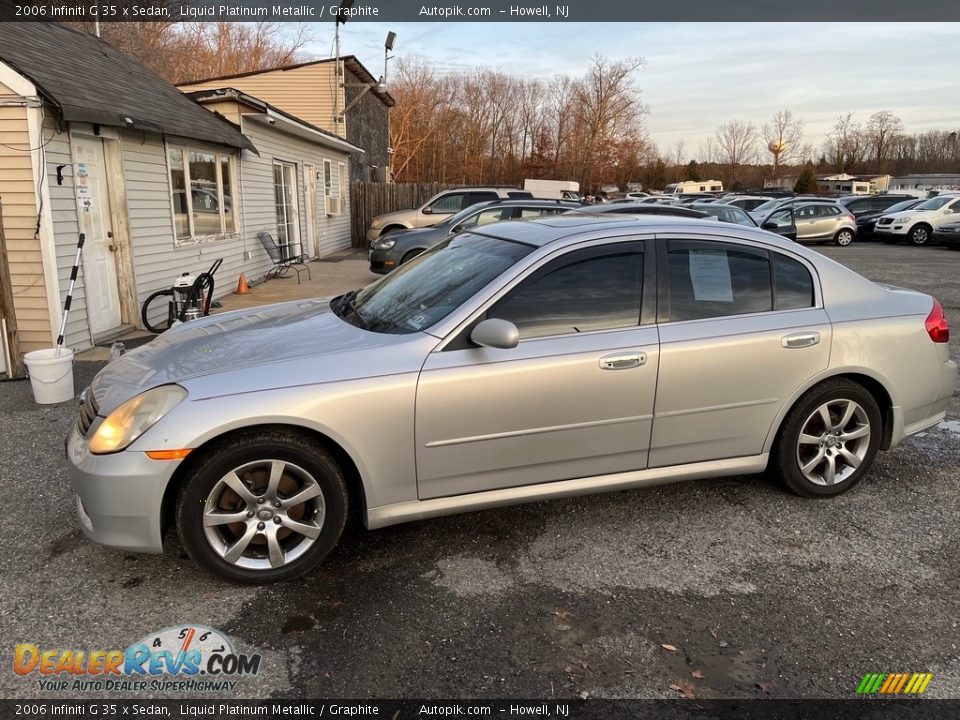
[894, 683]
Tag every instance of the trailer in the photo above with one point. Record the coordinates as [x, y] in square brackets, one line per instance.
[693, 186]
[553, 189]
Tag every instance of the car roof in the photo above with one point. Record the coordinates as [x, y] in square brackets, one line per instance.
[572, 227]
[641, 209]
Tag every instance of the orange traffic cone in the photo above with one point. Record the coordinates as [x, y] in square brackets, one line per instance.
[242, 287]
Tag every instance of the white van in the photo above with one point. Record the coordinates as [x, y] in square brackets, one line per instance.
[693, 186]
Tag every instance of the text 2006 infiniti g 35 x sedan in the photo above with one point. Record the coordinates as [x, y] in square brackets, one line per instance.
[529, 360]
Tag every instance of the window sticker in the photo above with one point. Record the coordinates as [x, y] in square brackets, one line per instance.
[710, 276]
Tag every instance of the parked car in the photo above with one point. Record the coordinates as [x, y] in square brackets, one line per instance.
[689, 198]
[866, 204]
[640, 208]
[867, 221]
[436, 208]
[764, 209]
[824, 222]
[949, 235]
[636, 195]
[400, 246]
[918, 224]
[746, 202]
[535, 360]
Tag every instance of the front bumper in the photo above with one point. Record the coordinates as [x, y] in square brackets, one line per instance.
[119, 496]
[382, 261]
[373, 234]
[895, 229]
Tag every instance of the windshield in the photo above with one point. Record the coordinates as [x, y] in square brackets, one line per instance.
[423, 291]
[767, 206]
[905, 205]
[934, 203]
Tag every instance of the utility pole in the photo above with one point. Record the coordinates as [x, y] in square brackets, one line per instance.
[8, 319]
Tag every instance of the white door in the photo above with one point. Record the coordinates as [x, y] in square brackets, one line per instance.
[99, 260]
[288, 215]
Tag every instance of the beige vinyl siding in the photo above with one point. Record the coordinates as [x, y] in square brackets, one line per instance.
[18, 180]
[332, 232]
[306, 92]
[66, 233]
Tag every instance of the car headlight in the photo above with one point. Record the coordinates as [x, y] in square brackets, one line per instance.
[134, 418]
[384, 244]
[904, 219]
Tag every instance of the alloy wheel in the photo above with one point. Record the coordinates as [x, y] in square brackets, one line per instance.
[264, 514]
[833, 442]
[844, 237]
[919, 236]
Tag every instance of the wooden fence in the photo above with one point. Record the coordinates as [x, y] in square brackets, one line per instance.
[369, 199]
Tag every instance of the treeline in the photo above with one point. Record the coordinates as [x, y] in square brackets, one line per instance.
[491, 128]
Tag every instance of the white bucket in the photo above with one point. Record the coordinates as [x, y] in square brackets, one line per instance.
[51, 375]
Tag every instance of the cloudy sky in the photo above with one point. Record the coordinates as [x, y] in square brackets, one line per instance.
[699, 75]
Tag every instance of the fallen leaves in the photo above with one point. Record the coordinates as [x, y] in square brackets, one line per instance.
[668, 647]
[684, 688]
[697, 674]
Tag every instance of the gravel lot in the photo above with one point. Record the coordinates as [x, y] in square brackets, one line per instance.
[759, 592]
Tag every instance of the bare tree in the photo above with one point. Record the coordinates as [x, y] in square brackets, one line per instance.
[883, 128]
[783, 135]
[677, 156]
[736, 146]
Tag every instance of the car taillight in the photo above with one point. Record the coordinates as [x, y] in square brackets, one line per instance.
[852, 217]
[937, 326]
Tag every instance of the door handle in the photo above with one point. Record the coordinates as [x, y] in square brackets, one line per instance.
[800, 340]
[622, 361]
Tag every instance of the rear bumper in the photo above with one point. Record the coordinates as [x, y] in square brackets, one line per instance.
[119, 496]
[937, 411]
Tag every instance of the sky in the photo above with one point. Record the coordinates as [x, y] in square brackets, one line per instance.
[700, 75]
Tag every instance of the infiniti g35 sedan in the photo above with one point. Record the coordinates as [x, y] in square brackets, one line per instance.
[521, 361]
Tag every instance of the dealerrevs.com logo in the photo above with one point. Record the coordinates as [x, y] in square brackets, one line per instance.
[190, 658]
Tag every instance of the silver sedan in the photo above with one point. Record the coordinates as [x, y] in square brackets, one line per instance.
[524, 361]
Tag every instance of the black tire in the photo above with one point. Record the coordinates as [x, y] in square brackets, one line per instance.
[843, 237]
[919, 234]
[151, 304]
[785, 458]
[410, 256]
[264, 445]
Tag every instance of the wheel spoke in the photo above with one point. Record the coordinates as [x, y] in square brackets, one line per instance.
[307, 530]
[276, 472]
[806, 439]
[233, 481]
[830, 476]
[825, 417]
[847, 415]
[308, 493]
[276, 552]
[214, 517]
[818, 458]
[235, 551]
[851, 459]
[858, 432]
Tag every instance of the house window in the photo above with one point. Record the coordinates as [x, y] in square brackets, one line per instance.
[201, 185]
[341, 187]
[327, 179]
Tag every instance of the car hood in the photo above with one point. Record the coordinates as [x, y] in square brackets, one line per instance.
[267, 335]
[909, 214]
[399, 216]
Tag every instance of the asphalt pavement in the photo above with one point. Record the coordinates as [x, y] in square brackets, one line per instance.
[716, 588]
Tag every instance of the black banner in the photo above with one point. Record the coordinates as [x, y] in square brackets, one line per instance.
[901, 709]
[489, 11]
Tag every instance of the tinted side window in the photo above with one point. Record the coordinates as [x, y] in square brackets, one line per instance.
[448, 203]
[476, 197]
[793, 286]
[707, 279]
[578, 293]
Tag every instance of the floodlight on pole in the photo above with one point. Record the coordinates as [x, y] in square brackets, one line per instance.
[387, 49]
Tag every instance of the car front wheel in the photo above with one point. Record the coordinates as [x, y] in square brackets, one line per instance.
[843, 237]
[828, 440]
[262, 507]
[919, 235]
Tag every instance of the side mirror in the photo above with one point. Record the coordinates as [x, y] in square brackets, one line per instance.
[427, 210]
[496, 333]
[769, 225]
[455, 229]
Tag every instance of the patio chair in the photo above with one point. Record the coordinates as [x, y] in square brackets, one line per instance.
[281, 265]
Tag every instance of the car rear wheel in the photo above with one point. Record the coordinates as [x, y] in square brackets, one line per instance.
[919, 235]
[262, 507]
[828, 440]
[843, 237]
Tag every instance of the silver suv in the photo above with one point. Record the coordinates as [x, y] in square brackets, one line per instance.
[438, 207]
[822, 222]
